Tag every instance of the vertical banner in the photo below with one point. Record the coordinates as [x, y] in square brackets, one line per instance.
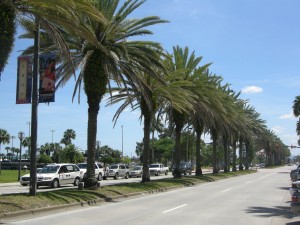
[47, 78]
[24, 80]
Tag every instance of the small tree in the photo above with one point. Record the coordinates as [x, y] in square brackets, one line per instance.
[43, 158]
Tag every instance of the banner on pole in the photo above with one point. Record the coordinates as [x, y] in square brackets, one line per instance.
[47, 78]
[24, 80]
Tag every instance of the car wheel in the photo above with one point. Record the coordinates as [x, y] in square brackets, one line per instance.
[76, 181]
[190, 173]
[99, 177]
[116, 177]
[184, 173]
[104, 178]
[55, 183]
[126, 175]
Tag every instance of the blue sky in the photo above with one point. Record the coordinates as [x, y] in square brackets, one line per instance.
[254, 45]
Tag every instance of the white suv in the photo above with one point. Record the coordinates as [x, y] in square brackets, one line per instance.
[118, 170]
[54, 175]
[99, 173]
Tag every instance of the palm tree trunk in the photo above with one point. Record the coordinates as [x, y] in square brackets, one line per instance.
[234, 156]
[225, 145]
[146, 151]
[214, 156]
[93, 110]
[198, 154]
[241, 154]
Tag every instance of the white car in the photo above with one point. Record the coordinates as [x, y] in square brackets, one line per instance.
[25, 179]
[54, 175]
[99, 173]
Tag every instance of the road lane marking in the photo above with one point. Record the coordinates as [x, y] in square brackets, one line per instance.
[178, 207]
[226, 190]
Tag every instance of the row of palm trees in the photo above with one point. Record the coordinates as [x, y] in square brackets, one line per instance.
[96, 38]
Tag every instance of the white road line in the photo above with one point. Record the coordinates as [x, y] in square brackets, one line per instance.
[226, 190]
[175, 208]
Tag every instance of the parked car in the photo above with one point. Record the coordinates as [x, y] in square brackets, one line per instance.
[157, 169]
[294, 174]
[54, 175]
[118, 170]
[295, 200]
[25, 179]
[99, 173]
[137, 171]
[184, 167]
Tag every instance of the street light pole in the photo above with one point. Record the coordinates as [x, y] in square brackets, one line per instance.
[21, 136]
[122, 142]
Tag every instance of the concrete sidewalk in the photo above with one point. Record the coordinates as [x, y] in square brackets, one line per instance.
[9, 184]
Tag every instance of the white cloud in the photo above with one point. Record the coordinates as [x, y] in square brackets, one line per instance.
[251, 89]
[287, 116]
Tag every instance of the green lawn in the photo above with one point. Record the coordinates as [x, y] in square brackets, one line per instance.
[18, 202]
[8, 176]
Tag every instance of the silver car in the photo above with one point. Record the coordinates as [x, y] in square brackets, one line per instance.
[118, 170]
[137, 171]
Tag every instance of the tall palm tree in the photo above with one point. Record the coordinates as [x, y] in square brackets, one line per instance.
[69, 134]
[188, 65]
[170, 92]
[113, 61]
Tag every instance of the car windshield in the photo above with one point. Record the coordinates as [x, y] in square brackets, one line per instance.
[49, 169]
[137, 168]
[82, 166]
[114, 167]
[154, 165]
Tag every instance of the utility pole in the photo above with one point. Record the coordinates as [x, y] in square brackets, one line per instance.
[122, 142]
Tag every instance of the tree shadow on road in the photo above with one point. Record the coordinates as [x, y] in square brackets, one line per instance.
[277, 211]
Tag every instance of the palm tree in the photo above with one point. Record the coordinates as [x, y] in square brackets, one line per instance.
[113, 59]
[170, 92]
[69, 134]
[296, 111]
[188, 66]
[4, 137]
[71, 154]
[26, 143]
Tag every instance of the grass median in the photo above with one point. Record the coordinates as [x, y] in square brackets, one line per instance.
[19, 202]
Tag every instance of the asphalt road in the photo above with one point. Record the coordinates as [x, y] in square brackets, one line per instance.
[261, 198]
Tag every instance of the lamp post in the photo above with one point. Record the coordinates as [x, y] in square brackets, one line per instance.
[20, 136]
[122, 142]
